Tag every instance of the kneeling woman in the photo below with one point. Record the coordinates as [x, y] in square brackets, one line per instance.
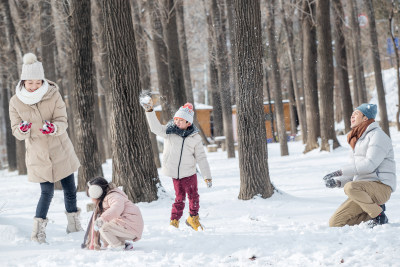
[116, 218]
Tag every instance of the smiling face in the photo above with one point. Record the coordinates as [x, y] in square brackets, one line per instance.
[356, 118]
[33, 85]
[181, 123]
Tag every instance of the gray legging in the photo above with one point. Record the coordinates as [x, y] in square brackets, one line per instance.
[69, 188]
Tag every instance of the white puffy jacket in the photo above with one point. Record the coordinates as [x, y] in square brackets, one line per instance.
[372, 159]
[180, 154]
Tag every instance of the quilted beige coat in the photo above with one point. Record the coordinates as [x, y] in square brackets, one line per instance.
[49, 158]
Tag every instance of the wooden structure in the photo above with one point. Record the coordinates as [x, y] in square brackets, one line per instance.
[268, 119]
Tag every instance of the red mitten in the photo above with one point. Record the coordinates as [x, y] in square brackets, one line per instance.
[24, 126]
[48, 128]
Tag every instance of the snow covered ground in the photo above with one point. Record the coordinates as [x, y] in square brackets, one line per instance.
[288, 229]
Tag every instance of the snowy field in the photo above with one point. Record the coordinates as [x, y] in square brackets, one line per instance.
[288, 229]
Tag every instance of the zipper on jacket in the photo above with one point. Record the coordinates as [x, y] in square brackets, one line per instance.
[180, 158]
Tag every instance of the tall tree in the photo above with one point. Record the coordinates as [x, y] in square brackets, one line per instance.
[85, 86]
[373, 35]
[223, 75]
[360, 88]
[217, 120]
[233, 61]
[290, 46]
[276, 78]
[310, 74]
[176, 79]
[325, 66]
[161, 60]
[253, 154]
[341, 64]
[391, 26]
[133, 161]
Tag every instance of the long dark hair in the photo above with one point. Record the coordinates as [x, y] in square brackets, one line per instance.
[100, 181]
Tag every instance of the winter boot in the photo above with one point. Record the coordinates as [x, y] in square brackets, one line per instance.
[174, 223]
[39, 230]
[74, 224]
[193, 221]
[380, 219]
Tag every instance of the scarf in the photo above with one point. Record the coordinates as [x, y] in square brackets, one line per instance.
[31, 98]
[357, 132]
[173, 129]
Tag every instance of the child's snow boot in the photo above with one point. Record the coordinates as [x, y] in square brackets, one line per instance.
[174, 223]
[39, 230]
[380, 219]
[193, 221]
[74, 224]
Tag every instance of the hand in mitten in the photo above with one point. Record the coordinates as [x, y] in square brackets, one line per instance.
[333, 174]
[98, 224]
[25, 126]
[208, 182]
[48, 128]
[147, 103]
[332, 183]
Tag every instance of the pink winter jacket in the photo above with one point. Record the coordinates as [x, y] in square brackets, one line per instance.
[119, 209]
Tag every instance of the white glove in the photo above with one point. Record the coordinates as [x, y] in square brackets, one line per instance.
[98, 224]
[147, 103]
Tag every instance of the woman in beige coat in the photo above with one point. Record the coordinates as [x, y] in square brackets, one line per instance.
[38, 116]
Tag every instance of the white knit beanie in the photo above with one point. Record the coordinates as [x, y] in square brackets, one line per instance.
[185, 112]
[32, 69]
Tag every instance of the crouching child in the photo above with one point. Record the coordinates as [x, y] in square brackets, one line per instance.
[115, 220]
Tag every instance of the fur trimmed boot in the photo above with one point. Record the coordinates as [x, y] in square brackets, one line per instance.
[74, 224]
[39, 230]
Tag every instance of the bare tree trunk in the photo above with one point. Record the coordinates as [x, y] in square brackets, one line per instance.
[217, 125]
[325, 66]
[384, 123]
[253, 153]
[291, 51]
[341, 62]
[47, 40]
[85, 88]
[144, 65]
[276, 79]
[133, 161]
[223, 76]
[310, 78]
[233, 60]
[10, 139]
[358, 62]
[176, 79]
[292, 110]
[397, 63]
[161, 60]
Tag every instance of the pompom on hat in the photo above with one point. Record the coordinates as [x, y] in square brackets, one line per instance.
[185, 112]
[32, 69]
[369, 110]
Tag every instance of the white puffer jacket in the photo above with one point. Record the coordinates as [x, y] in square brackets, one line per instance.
[372, 159]
[180, 154]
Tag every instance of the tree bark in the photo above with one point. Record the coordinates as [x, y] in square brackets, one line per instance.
[384, 123]
[341, 62]
[397, 63]
[47, 40]
[358, 62]
[253, 153]
[276, 79]
[217, 125]
[310, 77]
[293, 70]
[161, 60]
[233, 60]
[133, 161]
[176, 79]
[85, 86]
[223, 76]
[326, 78]
[10, 139]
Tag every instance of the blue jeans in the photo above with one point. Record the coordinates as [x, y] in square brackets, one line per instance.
[69, 188]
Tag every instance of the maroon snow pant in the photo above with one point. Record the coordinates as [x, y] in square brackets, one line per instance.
[187, 185]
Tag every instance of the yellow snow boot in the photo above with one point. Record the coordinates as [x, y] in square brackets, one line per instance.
[174, 223]
[193, 221]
